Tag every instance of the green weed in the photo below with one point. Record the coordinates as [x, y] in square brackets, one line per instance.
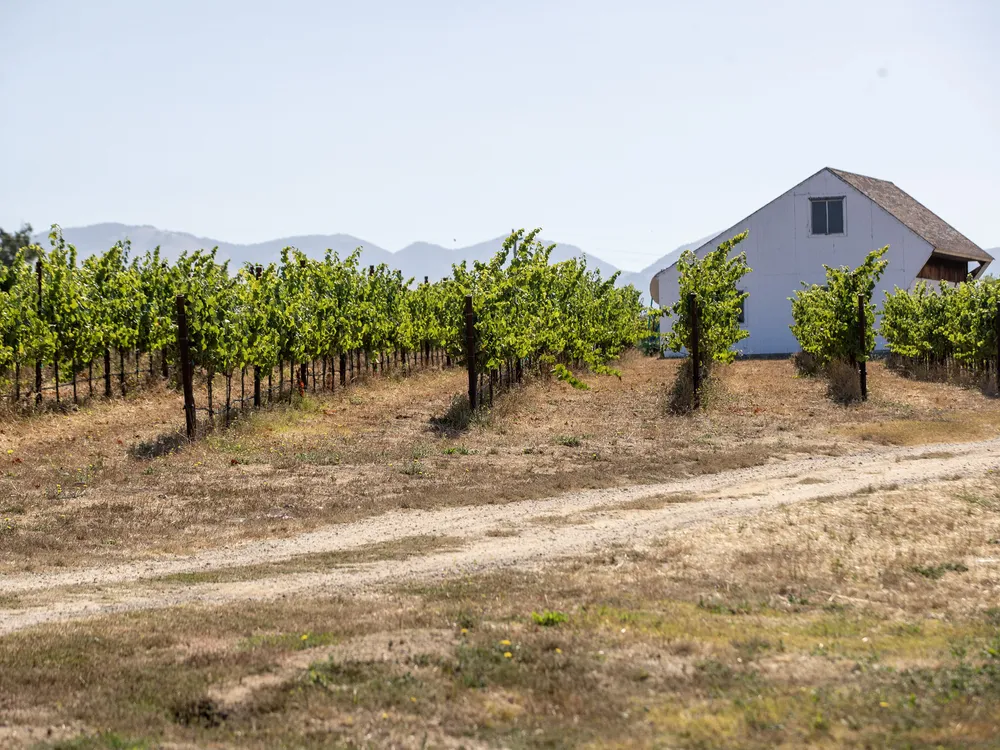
[548, 619]
[934, 572]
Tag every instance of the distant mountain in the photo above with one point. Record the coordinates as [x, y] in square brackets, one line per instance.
[99, 237]
[418, 259]
[641, 279]
[486, 250]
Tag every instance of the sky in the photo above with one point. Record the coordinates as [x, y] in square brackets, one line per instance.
[626, 128]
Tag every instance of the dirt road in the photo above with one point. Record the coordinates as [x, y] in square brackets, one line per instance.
[533, 532]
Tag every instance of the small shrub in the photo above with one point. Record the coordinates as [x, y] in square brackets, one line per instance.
[414, 469]
[986, 502]
[807, 365]
[200, 712]
[681, 398]
[750, 648]
[548, 619]
[725, 608]
[466, 620]
[163, 445]
[843, 382]
[570, 441]
[459, 416]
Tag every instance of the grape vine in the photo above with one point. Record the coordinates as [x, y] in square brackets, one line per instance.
[938, 325]
[713, 280]
[825, 318]
[300, 311]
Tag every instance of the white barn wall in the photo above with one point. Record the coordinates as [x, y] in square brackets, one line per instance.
[782, 253]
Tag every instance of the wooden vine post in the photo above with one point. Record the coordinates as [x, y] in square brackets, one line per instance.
[695, 351]
[470, 349]
[258, 271]
[107, 373]
[187, 372]
[863, 345]
[38, 363]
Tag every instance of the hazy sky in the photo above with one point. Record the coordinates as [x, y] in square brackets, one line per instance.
[624, 127]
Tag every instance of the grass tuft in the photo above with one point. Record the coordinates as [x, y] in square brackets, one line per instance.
[936, 572]
[548, 618]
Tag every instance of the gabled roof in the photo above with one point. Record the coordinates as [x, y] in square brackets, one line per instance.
[942, 236]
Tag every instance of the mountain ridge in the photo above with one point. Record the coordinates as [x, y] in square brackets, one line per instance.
[417, 259]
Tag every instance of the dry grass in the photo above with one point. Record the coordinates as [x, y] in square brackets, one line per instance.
[74, 490]
[928, 456]
[396, 549]
[804, 627]
[503, 531]
[922, 432]
[560, 519]
[650, 503]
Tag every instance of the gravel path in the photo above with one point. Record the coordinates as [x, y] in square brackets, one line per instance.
[591, 522]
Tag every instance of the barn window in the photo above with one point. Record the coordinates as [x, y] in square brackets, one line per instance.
[742, 317]
[827, 215]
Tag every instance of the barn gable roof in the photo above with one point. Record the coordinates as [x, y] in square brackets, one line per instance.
[913, 214]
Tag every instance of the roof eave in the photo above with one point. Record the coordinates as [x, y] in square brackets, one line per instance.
[981, 257]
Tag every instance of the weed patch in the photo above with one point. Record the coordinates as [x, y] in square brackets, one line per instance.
[570, 441]
[935, 572]
[548, 619]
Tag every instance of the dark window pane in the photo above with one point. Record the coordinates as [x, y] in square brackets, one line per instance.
[819, 217]
[742, 317]
[835, 216]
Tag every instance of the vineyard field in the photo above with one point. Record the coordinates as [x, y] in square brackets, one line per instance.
[299, 318]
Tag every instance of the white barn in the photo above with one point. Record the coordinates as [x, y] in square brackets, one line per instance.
[834, 218]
